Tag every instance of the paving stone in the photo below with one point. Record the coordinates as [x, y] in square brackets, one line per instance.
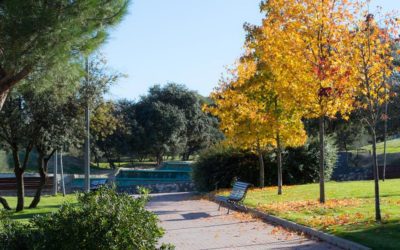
[194, 224]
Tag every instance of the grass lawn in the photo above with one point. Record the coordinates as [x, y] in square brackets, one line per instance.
[47, 204]
[348, 213]
[392, 146]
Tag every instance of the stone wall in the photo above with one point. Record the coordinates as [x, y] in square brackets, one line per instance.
[161, 188]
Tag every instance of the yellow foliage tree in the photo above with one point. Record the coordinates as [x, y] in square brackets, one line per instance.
[240, 120]
[259, 83]
[254, 116]
[372, 53]
[307, 44]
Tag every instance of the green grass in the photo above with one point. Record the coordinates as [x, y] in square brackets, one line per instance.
[392, 147]
[348, 213]
[47, 204]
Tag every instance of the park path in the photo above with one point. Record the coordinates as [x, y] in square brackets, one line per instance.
[194, 224]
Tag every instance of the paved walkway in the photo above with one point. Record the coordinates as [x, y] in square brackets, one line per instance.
[192, 224]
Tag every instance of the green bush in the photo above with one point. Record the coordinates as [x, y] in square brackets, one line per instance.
[13, 235]
[101, 220]
[301, 165]
[218, 166]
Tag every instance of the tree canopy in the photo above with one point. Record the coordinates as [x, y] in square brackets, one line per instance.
[35, 34]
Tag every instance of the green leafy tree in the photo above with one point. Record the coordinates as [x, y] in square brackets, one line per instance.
[103, 125]
[59, 125]
[18, 136]
[162, 127]
[35, 34]
[41, 118]
[201, 129]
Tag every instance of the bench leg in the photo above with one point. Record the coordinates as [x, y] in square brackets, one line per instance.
[219, 207]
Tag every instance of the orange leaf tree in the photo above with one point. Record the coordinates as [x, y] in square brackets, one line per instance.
[307, 44]
[254, 115]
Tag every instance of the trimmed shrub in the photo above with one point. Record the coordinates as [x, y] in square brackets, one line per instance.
[13, 235]
[301, 165]
[101, 220]
[219, 166]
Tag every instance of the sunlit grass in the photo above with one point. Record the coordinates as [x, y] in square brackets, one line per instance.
[349, 211]
[392, 146]
[47, 204]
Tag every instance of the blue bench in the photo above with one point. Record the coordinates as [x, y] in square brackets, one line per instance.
[236, 197]
[96, 184]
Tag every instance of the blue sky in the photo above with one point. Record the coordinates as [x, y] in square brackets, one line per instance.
[183, 41]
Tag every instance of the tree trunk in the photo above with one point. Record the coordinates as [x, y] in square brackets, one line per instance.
[376, 177]
[159, 159]
[185, 156]
[5, 203]
[62, 174]
[3, 97]
[96, 159]
[42, 164]
[384, 143]
[87, 139]
[279, 161]
[55, 175]
[111, 164]
[7, 82]
[321, 160]
[262, 168]
[19, 175]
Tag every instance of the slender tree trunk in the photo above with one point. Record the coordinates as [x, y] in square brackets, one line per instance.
[5, 203]
[19, 175]
[42, 163]
[185, 156]
[384, 142]
[62, 173]
[159, 159]
[376, 176]
[262, 167]
[321, 160]
[55, 172]
[97, 160]
[87, 137]
[188, 154]
[279, 161]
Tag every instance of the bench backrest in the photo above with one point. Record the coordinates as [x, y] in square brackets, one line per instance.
[97, 183]
[10, 183]
[239, 191]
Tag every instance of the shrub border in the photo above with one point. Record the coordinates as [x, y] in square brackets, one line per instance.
[331, 239]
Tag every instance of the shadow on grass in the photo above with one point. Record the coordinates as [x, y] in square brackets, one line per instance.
[18, 216]
[381, 196]
[30, 213]
[375, 235]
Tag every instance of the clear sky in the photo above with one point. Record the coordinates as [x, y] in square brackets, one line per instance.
[183, 41]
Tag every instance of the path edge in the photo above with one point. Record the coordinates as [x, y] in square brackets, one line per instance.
[329, 238]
